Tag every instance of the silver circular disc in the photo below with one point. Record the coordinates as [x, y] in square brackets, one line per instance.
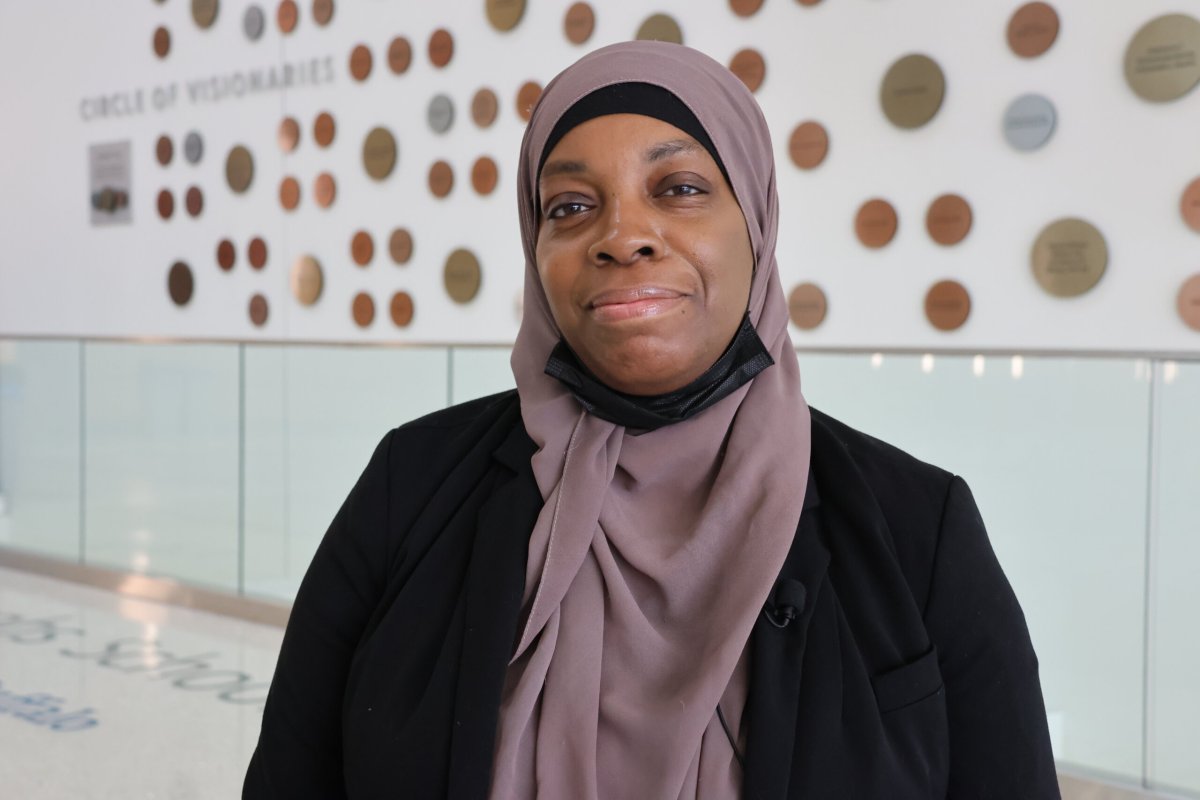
[253, 23]
[193, 148]
[1029, 122]
[440, 113]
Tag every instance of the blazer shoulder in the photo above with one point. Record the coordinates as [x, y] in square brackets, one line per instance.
[465, 414]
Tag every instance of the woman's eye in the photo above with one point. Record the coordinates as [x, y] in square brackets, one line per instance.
[683, 190]
[565, 209]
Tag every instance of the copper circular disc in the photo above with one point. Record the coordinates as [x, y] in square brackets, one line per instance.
[1069, 257]
[402, 309]
[462, 276]
[204, 12]
[164, 150]
[579, 23]
[363, 309]
[745, 8]
[750, 68]
[257, 253]
[400, 245]
[166, 204]
[162, 42]
[441, 47]
[324, 190]
[660, 28]
[947, 305]
[484, 175]
[1189, 205]
[808, 145]
[484, 107]
[193, 201]
[379, 153]
[226, 254]
[1162, 62]
[504, 14]
[324, 129]
[1188, 302]
[289, 134]
[527, 97]
[306, 280]
[258, 310]
[441, 179]
[362, 248]
[808, 2]
[180, 283]
[239, 169]
[287, 15]
[948, 219]
[289, 193]
[360, 62]
[322, 11]
[807, 306]
[399, 55]
[1032, 29]
[912, 91]
[876, 223]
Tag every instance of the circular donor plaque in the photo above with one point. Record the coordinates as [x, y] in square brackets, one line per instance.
[362, 248]
[402, 309]
[807, 306]
[948, 219]
[400, 245]
[484, 174]
[287, 15]
[399, 55]
[226, 254]
[441, 179]
[162, 42]
[947, 305]
[289, 134]
[204, 12]
[527, 97]
[876, 223]
[1162, 62]
[324, 190]
[289, 193]
[379, 153]
[912, 91]
[322, 12]
[254, 22]
[258, 310]
[440, 114]
[193, 201]
[579, 23]
[1188, 302]
[462, 276]
[363, 309]
[484, 106]
[306, 280]
[193, 147]
[1032, 29]
[166, 204]
[324, 129]
[808, 145]
[1029, 122]
[750, 68]
[180, 283]
[256, 253]
[441, 47]
[164, 150]
[504, 14]
[745, 8]
[360, 62]
[1069, 257]
[1189, 205]
[239, 169]
[661, 28]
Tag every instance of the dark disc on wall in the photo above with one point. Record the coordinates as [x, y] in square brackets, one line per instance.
[193, 201]
[947, 305]
[1189, 205]
[402, 309]
[527, 97]
[239, 169]
[363, 309]
[324, 129]
[204, 12]
[1162, 62]
[166, 204]
[949, 219]
[324, 190]
[400, 245]
[1069, 257]
[462, 276]
[258, 310]
[360, 62]
[180, 283]
[1188, 302]
[193, 147]
[807, 306]
[876, 223]
[441, 47]
[289, 134]
[504, 14]
[745, 8]
[808, 145]
[441, 179]
[256, 253]
[289, 193]
[440, 113]
[362, 248]
[912, 91]
[399, 55]
[254, 22]
[379, 153]
[660, 28]
[164, 150]
[287, 15]
[226, 254]
[750, 67]
[162, 42]
[484, 175]
[579, 22]
[322, 12]
[484, 106]
[1032, 29]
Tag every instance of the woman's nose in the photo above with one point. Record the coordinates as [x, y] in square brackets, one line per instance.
[627, 238]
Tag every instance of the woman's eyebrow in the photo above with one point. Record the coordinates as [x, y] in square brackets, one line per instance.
[670, 148]
[563, 168]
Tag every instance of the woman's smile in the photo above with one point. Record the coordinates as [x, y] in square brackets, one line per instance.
[617, 305]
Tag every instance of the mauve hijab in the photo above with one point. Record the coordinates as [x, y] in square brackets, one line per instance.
[654, 553]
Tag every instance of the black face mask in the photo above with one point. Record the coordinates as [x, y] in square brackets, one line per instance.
[742, 360]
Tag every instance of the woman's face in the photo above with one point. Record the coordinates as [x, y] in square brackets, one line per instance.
[642, 251]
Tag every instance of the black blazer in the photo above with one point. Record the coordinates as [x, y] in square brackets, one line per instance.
[906, 672]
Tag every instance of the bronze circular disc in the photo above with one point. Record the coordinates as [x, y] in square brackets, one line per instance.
[399, 55]
[166, 204]
[400, 245]
[808, 145]
[226, 254]
[948, 219]
[289, 193]
[912, 91]
[204, 12]
[193, 201]
[324, 129]
[1189, 205]
[1069, 257]
[287, 15]
[876, 223]
[379, 153]
[1162, 62]
[257, 253]
[527, 97]
[808, 2]
[289, 134]
[462, 276]
[322, 12]
[947, 305]
[745, 8]
[162, 42]
[441, 47]
[363, 309]
[164, 150]
[504, 14]
[324, 190]
[750, 68]
[362, 248]
[1188, 302]
[258, 310]
[660, 28]
[307, 280]
[180, 283]
[579, 23]
[239, 169]
[484, 107]
[441, 179]
[484, 175]
[360, 62]
[1032, 29]
[807, 306]
[402, 309]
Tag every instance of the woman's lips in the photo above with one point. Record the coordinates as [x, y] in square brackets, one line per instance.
[621, 304]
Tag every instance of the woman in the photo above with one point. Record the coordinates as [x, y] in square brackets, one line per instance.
[650, 571]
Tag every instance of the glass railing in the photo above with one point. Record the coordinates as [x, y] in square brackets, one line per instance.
[222, 464]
